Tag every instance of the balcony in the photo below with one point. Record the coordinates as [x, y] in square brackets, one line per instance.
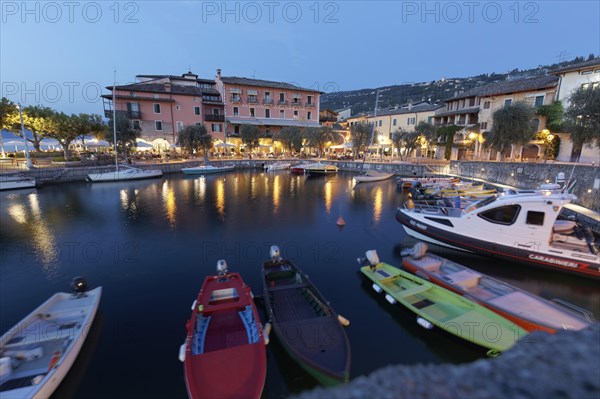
[214, 118]
[134, 114]
[267, 101]
[296, 103]
[236, 100]
[252, 100]
[282, 102]
[309, 105]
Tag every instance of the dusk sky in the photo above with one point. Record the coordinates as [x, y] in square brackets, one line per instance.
[60, 54]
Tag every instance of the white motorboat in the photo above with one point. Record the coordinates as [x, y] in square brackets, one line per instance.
[522, 227]
[277, 166]
[125, 173]
[205, 169]
[372, 175]
[37, 353]
[15, 182]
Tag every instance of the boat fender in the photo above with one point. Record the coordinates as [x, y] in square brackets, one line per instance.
[27, 354]
[37, 379]
[390, 299]
[343, 321]
[377, 288]
[424, 323]
[182, 353]
[194, 304]
[6, 369]
[266, 333]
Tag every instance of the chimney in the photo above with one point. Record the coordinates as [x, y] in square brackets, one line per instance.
[409, 105]
[219, 73]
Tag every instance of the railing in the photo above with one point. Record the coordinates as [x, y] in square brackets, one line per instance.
[134, 114]
[282, 102]
[214, 118]
[236, 100]
[268, 101]
[311, 105]
[252, 100]
[296, 103]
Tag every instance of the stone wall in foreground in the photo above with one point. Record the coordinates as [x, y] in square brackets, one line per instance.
[565, 365]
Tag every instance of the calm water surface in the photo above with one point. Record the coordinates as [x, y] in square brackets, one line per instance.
[151, 243]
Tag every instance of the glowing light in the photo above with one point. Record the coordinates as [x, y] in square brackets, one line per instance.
[17, 212]
[200, 188]
[221, 198]
[377, 204]
[276, 193]
[168, 197]
[328, 196]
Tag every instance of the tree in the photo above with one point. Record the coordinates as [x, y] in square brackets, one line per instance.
[250, 135]
[84, 124]
[361, 135]
[62, 127]
[291, 137]
[9, 116]
[38, 120]
[447, 133]
[582, 118]
[553, 114]
[126, 133]
[317, 137]
[194, 138]
[512, 125]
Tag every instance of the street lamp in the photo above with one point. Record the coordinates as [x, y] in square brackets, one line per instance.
[29, 164]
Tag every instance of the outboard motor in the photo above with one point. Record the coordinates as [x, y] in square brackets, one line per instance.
[370, 259]
[79, 285]
[222, 267]
[275, 253]
[418, 251]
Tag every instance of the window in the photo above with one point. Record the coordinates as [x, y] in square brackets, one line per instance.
[380, 123]
[178, 107]
[196, 110]
[282, 98]
[156, 96]
[535, 218]
[268, 99]
[308, 115]
[158, 126]
[589, 71]
[216, 127]
[179, 126]
[252, 98]
[483, 125]
[309, 100]
[267, 113]
[508, 102]
[430, 120]
[595, 85]
[136, 125]
[411, 121]
[486, 105]
[236, 129]
[394, 122]
[585, 86]
[196, 99]
[471, 101]
[236, 111]
[295, 113]
[156, 108]
[502, 215]
[132, 93]
[252, 113]
[597, 70]
[450, 106]
[462, 103]
[539, 101]
[281, 113]
[215, 111]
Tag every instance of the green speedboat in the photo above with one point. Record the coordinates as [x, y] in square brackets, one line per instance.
[437, 306]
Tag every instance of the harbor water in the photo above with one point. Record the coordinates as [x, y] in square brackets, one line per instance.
[151, 243]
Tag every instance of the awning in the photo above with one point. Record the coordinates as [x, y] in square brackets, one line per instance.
[235, 90]
[252, 92]
[271, 122]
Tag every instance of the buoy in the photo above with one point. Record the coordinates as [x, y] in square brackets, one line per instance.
[343, 321]
[390, 299]
[267, 332]
[377, 288]
[182, 353]
[424, 323]
[341, 221]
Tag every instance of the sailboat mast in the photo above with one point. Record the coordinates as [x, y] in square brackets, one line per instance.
[372, 126]
[115, 117]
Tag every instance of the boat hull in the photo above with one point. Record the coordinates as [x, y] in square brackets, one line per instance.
[124, 175]
[16, 184]
[204, 171]
[445, 309]
[306, 326]
[428, 231]
[67, 320]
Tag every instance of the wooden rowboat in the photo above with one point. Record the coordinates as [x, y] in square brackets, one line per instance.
[224, 353]
[437, 306]
[38, 352]
[529, 311]
[306, 325]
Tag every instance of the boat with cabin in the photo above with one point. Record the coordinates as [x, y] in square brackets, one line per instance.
[523, 226]
[207, 169]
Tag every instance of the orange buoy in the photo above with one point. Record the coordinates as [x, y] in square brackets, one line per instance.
[341, 221]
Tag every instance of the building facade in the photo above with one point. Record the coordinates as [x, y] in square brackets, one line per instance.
[266, 104]
[162, 105]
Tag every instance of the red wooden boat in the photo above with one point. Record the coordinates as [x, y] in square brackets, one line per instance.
[529, 311]
[224, 353]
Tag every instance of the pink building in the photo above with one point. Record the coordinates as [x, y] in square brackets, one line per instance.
[162, 105]
[269, 105]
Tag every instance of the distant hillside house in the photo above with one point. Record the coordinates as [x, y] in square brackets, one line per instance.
[474, 109]
[344, 113]
[328, 117]
[162, 105]
[266, 104]
[585, 75]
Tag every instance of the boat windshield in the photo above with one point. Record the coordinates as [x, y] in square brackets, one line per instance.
[481, 203]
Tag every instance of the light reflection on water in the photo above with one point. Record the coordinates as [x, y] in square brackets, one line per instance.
[159, 238]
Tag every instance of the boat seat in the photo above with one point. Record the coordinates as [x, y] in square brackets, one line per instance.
[200, 335]
[428, 263]
[465, 279]
[413, 291]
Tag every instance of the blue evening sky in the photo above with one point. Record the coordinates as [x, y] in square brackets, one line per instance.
[60, 53]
